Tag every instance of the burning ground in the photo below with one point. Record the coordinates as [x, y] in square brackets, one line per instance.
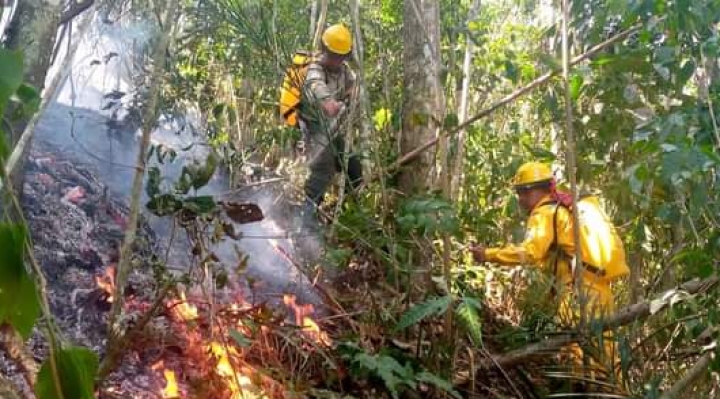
[188, 340]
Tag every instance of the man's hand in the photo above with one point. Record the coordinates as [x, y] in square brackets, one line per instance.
[478, 252]
[331, 107]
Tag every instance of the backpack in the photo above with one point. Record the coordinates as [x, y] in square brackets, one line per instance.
[602, 250]
[291, 90]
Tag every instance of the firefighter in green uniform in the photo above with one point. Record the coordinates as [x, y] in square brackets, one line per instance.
[327, 93]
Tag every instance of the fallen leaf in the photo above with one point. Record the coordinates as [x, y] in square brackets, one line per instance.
[243, 212]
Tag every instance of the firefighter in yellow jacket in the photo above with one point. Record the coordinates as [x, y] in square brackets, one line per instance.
[549, 244]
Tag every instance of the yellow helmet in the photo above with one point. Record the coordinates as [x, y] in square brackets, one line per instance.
[532, 172]
[337, 39]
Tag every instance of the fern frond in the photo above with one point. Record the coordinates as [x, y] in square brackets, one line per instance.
[423, 310]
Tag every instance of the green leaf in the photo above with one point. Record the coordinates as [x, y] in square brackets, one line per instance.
[240, 339]
[576, 83]
[28, 97]
[200, 205]
[152, 187]
[218, 110]
[540, 154]
[421, 311]
[19, 303]
[164, 205]
[468, 314]
[451, 121]
[76, 368]
[201, 175]
[11, 75]
[441, 383]
[388, 369]
[551, 62]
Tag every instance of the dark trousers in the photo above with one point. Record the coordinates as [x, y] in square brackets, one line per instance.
[326, 157]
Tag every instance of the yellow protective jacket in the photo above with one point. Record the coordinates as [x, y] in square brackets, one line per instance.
[536, 249]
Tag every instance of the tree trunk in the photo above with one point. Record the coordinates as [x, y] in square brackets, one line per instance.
[320, 27]
[423, 96]
[463, 99]
[33, 31]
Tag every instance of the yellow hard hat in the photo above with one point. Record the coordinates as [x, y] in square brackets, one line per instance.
[337, 39]
[532, 172]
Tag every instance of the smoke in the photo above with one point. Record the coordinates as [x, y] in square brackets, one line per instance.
[82, 123]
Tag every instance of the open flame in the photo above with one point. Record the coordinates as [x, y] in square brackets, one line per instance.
[171, 390]
[306, 323]
[237, 380]
[106, 282]
[184, 309]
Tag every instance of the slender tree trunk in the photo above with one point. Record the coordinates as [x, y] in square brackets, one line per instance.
[313, 18]
[464, 100]
[116, 331]
[422, 108]
[362, 98]
[33, 31]
[320, 23]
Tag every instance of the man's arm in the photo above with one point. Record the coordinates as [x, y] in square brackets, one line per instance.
[538, 238]
[315, 84]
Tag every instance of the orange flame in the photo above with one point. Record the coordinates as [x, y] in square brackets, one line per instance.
[185, 310]
[171, 390]
[238, 381]
[106, 282]
[306, 323]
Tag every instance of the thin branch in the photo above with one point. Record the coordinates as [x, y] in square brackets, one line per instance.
[509, 98]
[125, 265]
[570, 157]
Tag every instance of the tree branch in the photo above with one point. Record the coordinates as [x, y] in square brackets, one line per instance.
[508, 99]
[622, 317]
[690, 378]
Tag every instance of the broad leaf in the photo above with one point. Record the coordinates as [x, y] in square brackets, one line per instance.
[76, 368]
[19, 303]
[11, 75]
